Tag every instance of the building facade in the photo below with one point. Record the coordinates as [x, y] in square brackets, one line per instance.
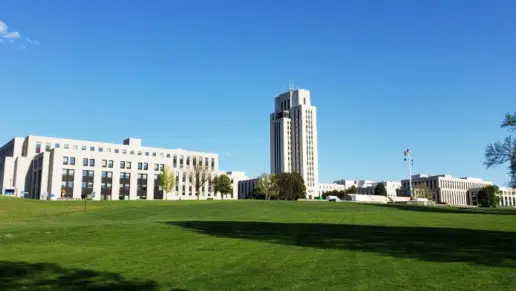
[392, 188]
[447, 189]
[326, 187]
[45, 167]
[507, 196]
[357, 183]
[246, 188]
[293, 128]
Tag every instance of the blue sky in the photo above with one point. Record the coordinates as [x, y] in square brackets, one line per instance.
[432, 76]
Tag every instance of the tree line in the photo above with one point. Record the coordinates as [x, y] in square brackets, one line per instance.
[283, 186]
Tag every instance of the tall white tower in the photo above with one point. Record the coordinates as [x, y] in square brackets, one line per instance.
[294, 138]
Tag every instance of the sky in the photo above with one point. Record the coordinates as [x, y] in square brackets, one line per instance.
[435, 77]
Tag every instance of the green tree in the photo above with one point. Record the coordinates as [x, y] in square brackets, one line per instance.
[352, 190]
[222, 184]
[291, 186]
[422, 191]
[267, 186]
[167, 180]
[488, 196]
[201, 174]
[380, 190]
[500, 153]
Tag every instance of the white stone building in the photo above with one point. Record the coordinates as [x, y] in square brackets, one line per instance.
[507, 196]
[43, 167]
[326, 187]
[447, 189]
[392, 188]
[294, 138]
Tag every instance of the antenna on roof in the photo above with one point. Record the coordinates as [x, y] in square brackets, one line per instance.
[290, 85]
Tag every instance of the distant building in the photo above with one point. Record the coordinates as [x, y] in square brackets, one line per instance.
[293, 127]
[392, 188]
[40, 167]
[445, 188]
[357, 183]
[324, 187]
[246, 188]
[507, 197]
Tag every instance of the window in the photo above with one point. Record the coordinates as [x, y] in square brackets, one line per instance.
[128, 165]
[101, 150]
[47, 146]
[83, 148]
[153, 154]
[213, 163]
[156, 167]
[174, 161]
[72, 161]
[132, 152]
[57, 146]
[194, 162]
[85, 162]
[124, 152]
[147, 154]
[187, 161]
[140, 166]
[139, 153]
[161, 167]
[110, 164]
[117, 151]
[180, 161]
[104, 163]
[108, 150]
[122, 164]
[161, 154]
[75, 146]
[38, 147]
[66, 146]
[65, 160]
[92, 162]
[92, 149]
[168, 155]
[145, 166]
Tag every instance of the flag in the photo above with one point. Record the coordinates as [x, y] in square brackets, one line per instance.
[405, 153]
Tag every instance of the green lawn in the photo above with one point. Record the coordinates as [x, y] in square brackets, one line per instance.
[253, 245]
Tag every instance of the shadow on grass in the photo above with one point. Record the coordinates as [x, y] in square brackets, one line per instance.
[482, 247]
[448, 209]
[48, 276]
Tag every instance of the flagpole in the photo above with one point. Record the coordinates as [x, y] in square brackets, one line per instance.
[410, 175]
[409, 160]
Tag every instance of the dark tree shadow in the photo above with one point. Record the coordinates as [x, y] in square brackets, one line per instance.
[49, 276]
[448, 209]
[492, 248]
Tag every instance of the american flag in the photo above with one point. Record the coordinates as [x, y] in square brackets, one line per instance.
[405, 153]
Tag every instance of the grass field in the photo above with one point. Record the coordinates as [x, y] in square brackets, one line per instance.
[253, 245]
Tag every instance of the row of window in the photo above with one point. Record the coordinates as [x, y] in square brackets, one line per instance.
[67, 184]
[140, 153]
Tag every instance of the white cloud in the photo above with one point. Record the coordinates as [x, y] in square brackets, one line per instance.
[22, 46]
[12, 35]
[3, 27]
[32, 41]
